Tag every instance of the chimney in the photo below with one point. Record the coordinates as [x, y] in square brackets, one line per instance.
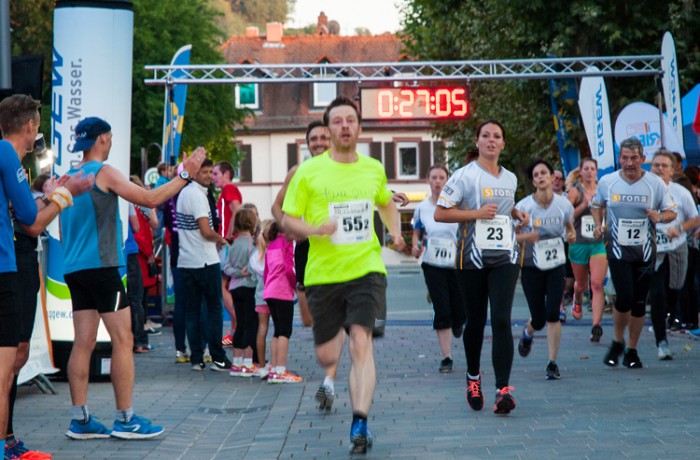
[322, 21]
[274, 32]
[252, 31]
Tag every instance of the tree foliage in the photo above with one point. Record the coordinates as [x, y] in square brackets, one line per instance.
[512, 29]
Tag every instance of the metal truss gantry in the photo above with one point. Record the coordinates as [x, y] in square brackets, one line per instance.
[617, 66]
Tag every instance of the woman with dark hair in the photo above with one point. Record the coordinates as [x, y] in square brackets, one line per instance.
[480, 197]
[438, 251]
[542, 259]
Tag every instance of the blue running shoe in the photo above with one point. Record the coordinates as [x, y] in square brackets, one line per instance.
[137, 428]
[90, 430]
[360, 437]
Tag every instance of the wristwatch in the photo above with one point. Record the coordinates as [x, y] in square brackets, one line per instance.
[185, 175]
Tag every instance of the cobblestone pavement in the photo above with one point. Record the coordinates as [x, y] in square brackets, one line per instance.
[592, 412]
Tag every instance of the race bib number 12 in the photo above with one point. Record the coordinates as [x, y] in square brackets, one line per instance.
[354, 220]
[632, 232]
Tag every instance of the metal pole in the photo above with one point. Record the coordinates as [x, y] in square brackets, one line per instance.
[5, 50]
[659, 99]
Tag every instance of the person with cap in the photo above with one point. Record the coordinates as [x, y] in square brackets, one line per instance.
[19, 123]
[91, 233]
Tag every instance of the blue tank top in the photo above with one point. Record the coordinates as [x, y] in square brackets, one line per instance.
[91, 230]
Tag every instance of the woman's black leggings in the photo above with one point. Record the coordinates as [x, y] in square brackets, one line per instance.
[544, 290]
[479, 287]
[447, 299]
[282, 312]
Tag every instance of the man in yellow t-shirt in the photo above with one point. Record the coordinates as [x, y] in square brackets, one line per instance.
[336, 193]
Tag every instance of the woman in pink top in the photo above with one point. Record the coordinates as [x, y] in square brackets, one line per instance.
[280, 283]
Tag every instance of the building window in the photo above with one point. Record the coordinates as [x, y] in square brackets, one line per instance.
[324, 93]
[363, 148]
[407, 160]
[247, 96]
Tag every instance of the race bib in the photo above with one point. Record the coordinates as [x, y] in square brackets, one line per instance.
[354, 220]
[587, 226]
[664, 243]
[549, 253]
[632, 232]
[496, 233]
[440, 252]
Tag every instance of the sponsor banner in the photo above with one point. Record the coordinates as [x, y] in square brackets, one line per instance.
[690, 106]
[595, 114]
[565, 90]
[174, 114]
[641, 121]
[671, 86]
[91, 76]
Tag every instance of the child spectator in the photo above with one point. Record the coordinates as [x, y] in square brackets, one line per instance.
[280, 283]
[257, 266]
[242, 288]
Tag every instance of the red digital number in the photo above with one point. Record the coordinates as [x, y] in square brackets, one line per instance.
[385, 103]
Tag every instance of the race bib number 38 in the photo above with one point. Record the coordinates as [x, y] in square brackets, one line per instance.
[587, 226]
[495, 233]
[354, 220]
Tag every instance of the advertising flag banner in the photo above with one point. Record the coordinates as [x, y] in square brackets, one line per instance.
[595, 113]
[690, 106]
[563, 124]
[671, 86]
[174, 115]
[641, 121]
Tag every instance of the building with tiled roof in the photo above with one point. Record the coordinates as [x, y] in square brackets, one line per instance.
[273, 140]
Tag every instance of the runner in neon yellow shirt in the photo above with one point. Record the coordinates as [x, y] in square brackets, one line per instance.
[335, 194]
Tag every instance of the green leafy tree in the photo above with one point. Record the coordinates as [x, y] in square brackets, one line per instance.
[511, 29]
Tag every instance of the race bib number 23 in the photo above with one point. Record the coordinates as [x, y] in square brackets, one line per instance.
[496, 233]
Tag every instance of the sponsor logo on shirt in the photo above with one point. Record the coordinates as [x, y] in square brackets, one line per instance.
[21, 176]
[447, 190]
[546, 221]
[622, 198]
[490, 192]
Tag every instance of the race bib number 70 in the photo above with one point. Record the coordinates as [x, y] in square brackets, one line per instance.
[354, 220]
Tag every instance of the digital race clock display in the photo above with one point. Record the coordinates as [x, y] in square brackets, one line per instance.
[415, 103]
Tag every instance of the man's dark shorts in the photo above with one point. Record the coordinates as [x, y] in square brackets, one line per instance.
[98, 289]
[361, 301]
[27, 294]
[9, 332]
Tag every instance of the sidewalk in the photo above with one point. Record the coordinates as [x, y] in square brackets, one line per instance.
[592, 412]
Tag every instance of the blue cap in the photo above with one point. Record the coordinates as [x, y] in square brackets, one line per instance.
[87, 131]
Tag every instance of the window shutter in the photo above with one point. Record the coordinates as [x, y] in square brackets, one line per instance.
[246, 168]
[390, 160]
[423, 159]
[292, 155]
[375, 150]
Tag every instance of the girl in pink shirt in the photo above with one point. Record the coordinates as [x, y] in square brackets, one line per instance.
[280, 283]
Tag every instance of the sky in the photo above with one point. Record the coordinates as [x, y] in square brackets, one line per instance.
[378, 16]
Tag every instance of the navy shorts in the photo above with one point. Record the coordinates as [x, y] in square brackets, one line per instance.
[100, 289]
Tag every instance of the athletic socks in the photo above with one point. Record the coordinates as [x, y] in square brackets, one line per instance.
[80, 413]
[328, 383]
[125, 415]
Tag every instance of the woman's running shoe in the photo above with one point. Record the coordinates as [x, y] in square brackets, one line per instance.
[475, 397]
[577, 310]
[284, 377]
[505, 402]
[227, 342]
[19, 450]
[136, 428]
[244, 371]
[596, 333]
[92, 429]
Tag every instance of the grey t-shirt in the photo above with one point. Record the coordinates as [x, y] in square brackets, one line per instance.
[630, 235]
[471, 187]
[550, 224]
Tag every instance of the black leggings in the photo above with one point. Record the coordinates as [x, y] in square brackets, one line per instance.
[282, 312]
[246, 318]
[631, 281]
[444, 293]
[479, 287]
[662, 299]
[544, 290]
[689, 306]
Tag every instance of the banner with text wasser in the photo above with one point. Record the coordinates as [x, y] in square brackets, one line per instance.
[641, 121]
[91, 76]
[565, 91]
[671, 86]
[174, 114]
[595, 113]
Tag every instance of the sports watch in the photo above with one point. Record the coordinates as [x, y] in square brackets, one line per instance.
[185, 175]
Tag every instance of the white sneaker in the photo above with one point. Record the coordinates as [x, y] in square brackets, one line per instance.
[664, 353]
[152, 325]
[206, 356]
[264, 372]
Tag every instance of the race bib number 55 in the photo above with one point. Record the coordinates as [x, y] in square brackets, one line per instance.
[354, 220]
